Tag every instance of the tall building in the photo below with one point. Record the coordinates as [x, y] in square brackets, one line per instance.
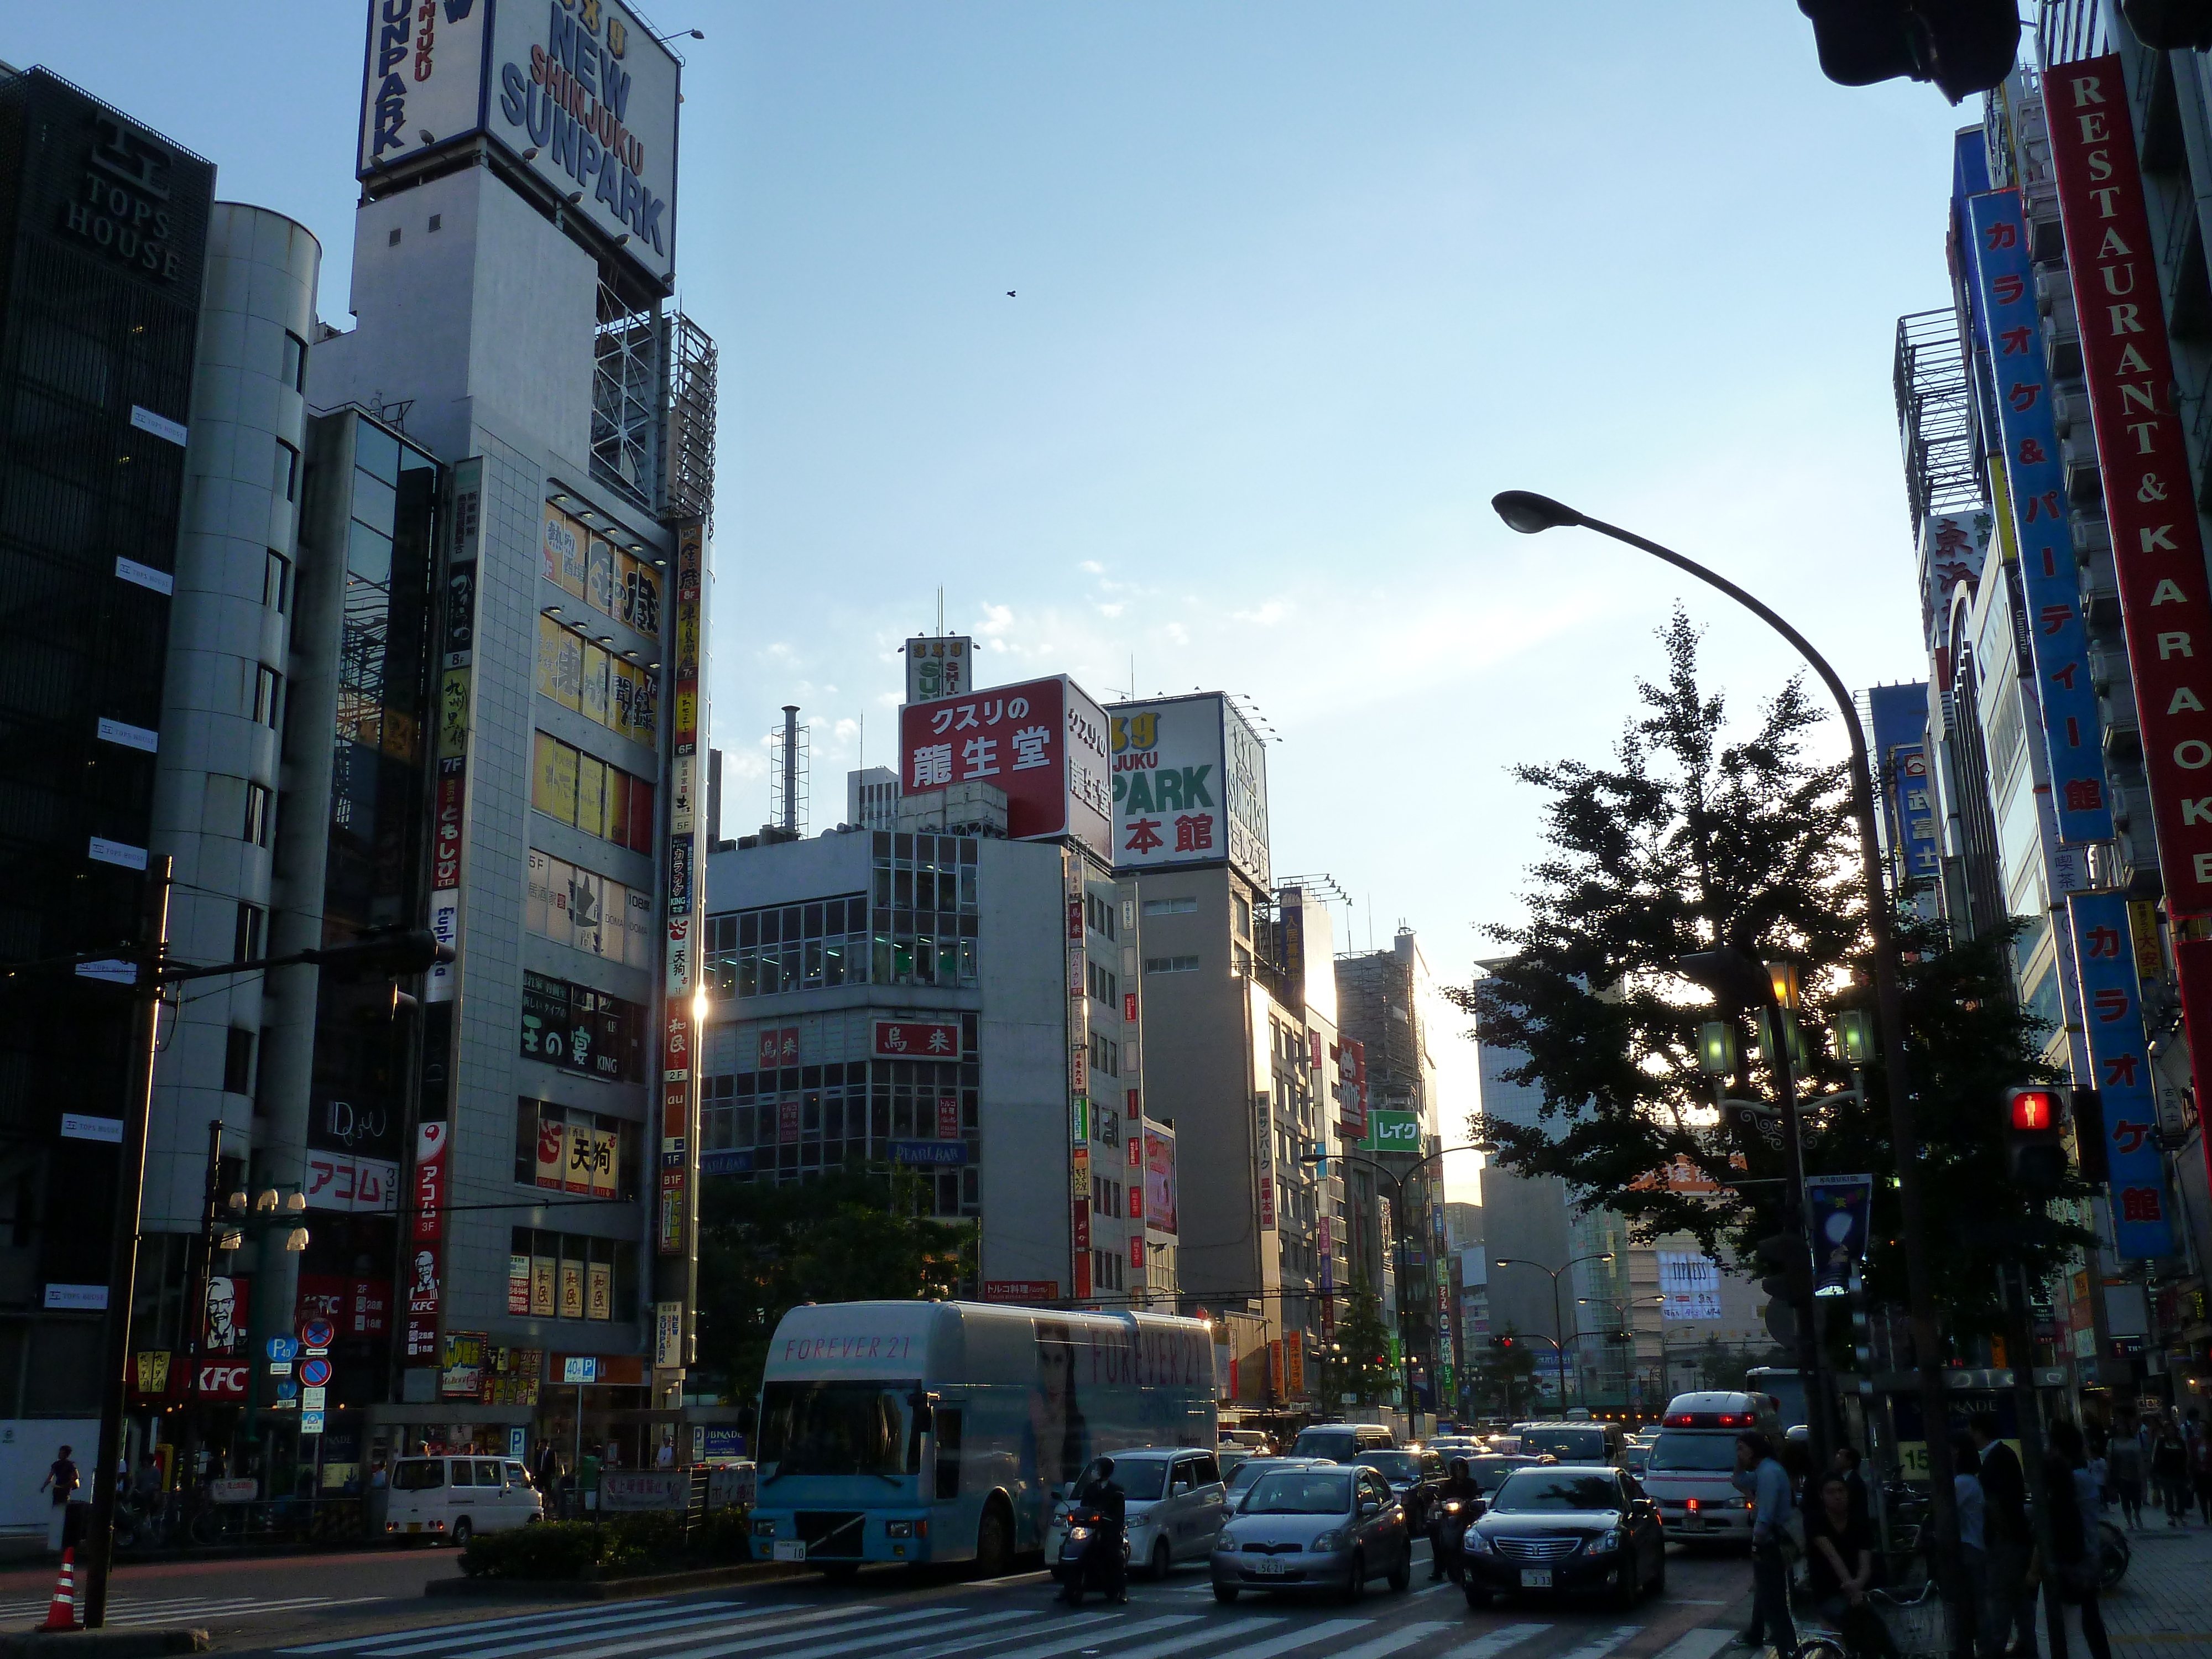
[103, 244]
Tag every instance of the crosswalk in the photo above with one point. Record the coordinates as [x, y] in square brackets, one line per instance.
[127, 1609]
[733, 1626]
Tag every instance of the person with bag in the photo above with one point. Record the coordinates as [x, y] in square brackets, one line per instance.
[2074, 1541]
[2169, 1469]
[2009, 1544]
[2123, 1467]
[1759, 1475]
[1839, 1561]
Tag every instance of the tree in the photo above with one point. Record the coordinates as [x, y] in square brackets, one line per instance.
[845, 1235]
[1502, 1366]
[1689, 840]
[1359, 1364]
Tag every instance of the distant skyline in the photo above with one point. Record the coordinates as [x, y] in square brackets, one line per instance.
[1296, 290]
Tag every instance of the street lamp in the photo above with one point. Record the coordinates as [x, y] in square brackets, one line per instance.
[1528, 513]
[1558, 1319]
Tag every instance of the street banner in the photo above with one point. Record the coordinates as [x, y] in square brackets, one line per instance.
[2158, 556]
[2119, 1069]
[2041, 524]
[1838, 1212]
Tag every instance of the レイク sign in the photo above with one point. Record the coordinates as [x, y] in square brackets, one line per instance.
[2165, 606]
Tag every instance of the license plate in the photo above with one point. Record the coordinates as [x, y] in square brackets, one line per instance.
[1694, 1522]
[1536, 1578]
[413, 1526]
[790, 1549]
[1271, 1567]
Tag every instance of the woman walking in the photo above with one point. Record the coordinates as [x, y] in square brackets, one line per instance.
[2075, 1540]
[2169, 1468]
[2123, 1466]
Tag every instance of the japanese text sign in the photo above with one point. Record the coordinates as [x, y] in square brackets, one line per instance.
[1177, 799]
[915, 1039]
[2119, 1066]
[2036, 482]
[2158, 556]
[1043, 742]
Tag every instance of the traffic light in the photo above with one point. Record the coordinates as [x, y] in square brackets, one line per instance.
[1962, 46]
[2035, 1142]
[1788, 1282]
[2090, 1154]
[2171, 25]
[383, 952]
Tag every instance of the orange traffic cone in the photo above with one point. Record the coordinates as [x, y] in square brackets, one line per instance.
[62, 1615]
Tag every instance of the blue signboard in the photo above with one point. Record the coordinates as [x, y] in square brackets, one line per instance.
[2020, 386]
[929, 1152]
[1900, 763]
[726, 1162]
[2119, 1069]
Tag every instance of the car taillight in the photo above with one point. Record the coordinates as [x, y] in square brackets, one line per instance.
[1693, 1506]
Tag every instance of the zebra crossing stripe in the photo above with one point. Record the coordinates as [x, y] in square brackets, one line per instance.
[1067, 1637]
[1214, 1632]
[1496, 1641]
[1403, 1637]
[1327, 1631]
[948, 1649]
[1602, 1645]
[675, 1625]
[455, 1636]
[467, 1632]
[853, 1638]
[1698, 1644]
[663, 1633]
[844, 1645]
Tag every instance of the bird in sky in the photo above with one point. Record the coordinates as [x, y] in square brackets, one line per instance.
[1010, 294]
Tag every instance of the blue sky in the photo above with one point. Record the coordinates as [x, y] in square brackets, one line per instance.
[1298, 288]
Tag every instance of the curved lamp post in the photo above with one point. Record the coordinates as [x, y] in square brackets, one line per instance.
[1528, 513]
[1558, 1319]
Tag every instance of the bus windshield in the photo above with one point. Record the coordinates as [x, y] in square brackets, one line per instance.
[838, 1429]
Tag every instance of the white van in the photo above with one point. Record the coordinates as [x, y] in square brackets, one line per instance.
[1690, 1466]
[450, 1497]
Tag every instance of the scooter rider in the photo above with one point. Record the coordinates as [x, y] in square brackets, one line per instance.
[1108, 1507]
[1459, 1487]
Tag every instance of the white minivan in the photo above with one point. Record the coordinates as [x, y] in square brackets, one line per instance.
[450, 1497]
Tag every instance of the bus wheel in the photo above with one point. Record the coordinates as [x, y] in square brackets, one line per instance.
[994, 1540]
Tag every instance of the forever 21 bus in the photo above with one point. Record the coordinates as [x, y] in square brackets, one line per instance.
[939, 1430]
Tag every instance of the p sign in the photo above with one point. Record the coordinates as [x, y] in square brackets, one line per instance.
[1395, 1132]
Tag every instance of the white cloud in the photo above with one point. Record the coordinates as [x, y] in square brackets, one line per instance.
[1266, 616]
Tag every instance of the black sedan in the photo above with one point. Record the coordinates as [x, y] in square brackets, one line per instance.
[1415, 1478]
[1566, 1528]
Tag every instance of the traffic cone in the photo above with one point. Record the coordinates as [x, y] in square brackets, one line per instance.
[62, 1615]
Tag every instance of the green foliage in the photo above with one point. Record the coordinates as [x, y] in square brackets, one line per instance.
[845, 1235]
[615, 1549]
[1689, 840]
[1361, 1336]
[1501, 1377]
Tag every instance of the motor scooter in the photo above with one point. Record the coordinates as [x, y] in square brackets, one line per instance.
[1085, 1562]
[1454, 1516]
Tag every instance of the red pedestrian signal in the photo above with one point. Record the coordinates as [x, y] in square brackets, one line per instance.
[2035, 1147]
[2033, 1110]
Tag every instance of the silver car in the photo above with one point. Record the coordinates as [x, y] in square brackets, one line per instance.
[1175, 1505]
[1328, 1527]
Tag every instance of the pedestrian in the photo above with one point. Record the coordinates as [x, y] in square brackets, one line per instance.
[2008, 1543]
[1973, 1555]
[587, 1480]
[2075, 1544]
[545, 1466]
[2169, 1469]
[665, 1457]
[1845, 1462]
[61, 1482]
[1759, 1475]
[1839, 1566]
[2200, 1472]
[2123, 1465]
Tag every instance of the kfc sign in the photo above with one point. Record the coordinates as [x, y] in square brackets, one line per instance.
[219, 1380]
[907, 1039]
[1043, 742]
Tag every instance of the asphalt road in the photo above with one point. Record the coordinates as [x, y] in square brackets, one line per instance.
[370, 1605]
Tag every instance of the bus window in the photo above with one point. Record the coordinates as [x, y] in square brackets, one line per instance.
[948, 1451]
[834, 1429]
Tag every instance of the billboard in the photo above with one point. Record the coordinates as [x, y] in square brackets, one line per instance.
[2158, 551]
[2034, 484]
[1190, 785]
[1159, 1180]
[1042, 742]
[1692, 1285]
[2119, 1063]
[577, 92]
[940, 665]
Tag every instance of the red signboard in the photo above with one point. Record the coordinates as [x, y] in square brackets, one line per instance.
[1042, 742]
[1021, 1289]
[1137, 1252]
[425, 1261]
[223, 1379]
[1267, 1199]
[1083, 1275]
[353, 1307]
[779, 1047]
[948, 1117]
[2166, 602]
[915, 1039]
[446, 852]
[429, 1181]
[1129, 1009]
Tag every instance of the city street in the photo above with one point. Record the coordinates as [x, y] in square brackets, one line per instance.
[371, 1606]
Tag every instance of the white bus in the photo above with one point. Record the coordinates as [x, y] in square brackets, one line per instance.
[941, 1430]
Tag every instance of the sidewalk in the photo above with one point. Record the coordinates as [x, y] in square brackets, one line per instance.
[2165, 1603]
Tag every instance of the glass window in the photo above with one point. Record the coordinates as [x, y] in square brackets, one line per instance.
[376, 451]
[285, 478]
[294, 370]
[276, 581]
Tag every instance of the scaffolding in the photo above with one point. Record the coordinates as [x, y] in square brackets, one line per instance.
[688, 486]
[625, 398]
[1934, 417]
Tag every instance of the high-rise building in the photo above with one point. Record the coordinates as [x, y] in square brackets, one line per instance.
[103, 243]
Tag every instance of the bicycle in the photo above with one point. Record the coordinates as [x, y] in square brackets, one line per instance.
[1914, 1623]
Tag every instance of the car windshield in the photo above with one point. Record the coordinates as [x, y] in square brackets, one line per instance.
[1556, 1491]
[1490, 1473]
[1571, 1444]
[1249, 1471]
[858, 1428]
[1704, 1454]
[1299, 1492]
[1394, 1466]
[1141, 1482]
[1334, 1445]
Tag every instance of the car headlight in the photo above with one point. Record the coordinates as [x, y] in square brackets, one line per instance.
[1477, 1542]
[763, 1528]
[1325, 1542]
[1604, 1544]
[1225, 1539]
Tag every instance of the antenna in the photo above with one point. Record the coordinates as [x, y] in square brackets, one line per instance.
[940, 612]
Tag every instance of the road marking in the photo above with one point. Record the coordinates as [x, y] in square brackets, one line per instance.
[1404, 1637]
[850, 1641]
[455, 1636]
[133, 1611]
[467, 1632]
[674, 1627]
[1698, 1643]
[1496, 1641]
[1305, 1638]
[949, 1648]
[1067, 1639]
[823, 1650]
[1603, 1645]
[1214, 1632]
